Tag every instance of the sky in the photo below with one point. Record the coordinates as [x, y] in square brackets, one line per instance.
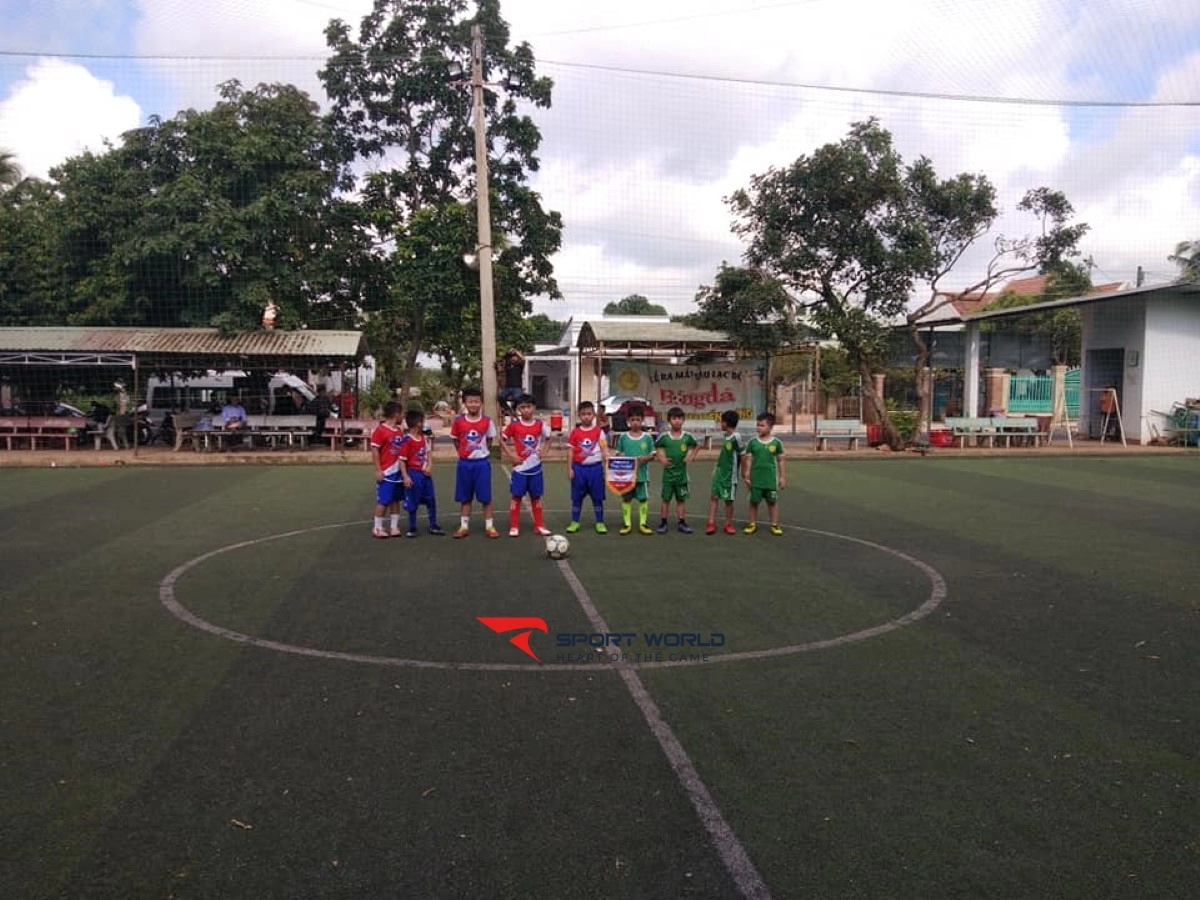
[662, 109]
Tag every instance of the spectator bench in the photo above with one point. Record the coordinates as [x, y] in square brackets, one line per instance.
[46, 430]
[267, 431]
[851, 430]
[991, 428]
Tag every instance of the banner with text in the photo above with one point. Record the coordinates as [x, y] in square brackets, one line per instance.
[702, 391]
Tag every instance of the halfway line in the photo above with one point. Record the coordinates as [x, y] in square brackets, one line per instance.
[737, 861]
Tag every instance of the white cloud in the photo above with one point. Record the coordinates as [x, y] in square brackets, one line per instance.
[58, 110]
[639, 164]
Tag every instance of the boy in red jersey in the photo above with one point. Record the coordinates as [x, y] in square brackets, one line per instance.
[585, 466]
[523, 441]
[471, 433]
[416, 471]
[385, 453]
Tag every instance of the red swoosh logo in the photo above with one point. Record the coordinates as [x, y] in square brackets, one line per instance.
[524, 624]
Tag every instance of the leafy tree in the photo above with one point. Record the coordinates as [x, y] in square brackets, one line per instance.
[1187, 257]
[402, 123]
[10, 172]
[541, 329]
[960, 211]
[857, 228]
[838, 225]
[32, 278]
[200, 220]
[1062, 327]
[754, 309]
[634, 305]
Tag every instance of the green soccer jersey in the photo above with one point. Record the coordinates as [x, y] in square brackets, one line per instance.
[764, 462]
[643, 445]
[729, 460]
[677, 450]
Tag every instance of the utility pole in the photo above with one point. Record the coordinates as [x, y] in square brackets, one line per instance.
[483, 253]
[1141, 276]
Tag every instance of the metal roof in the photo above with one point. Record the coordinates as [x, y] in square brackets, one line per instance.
[181, 347]
[629, 335]
[1185, 288]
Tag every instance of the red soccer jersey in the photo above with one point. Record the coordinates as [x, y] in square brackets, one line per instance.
[526, 439]
[585, 444]
[471, 437]
[388, 438]
[415, 453]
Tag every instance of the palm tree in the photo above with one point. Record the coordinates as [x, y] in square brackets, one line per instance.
[10, 172]
[1187, 257]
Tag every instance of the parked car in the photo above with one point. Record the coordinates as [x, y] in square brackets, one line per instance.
[617, 406]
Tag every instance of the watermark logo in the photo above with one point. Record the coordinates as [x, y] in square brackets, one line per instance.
[524, 624]
[611, 646]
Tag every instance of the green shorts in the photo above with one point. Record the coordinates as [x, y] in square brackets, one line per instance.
[724, 490]
[675, 489]
[639, 493]
[758, 494]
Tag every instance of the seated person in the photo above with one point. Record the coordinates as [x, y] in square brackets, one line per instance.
[233, 415]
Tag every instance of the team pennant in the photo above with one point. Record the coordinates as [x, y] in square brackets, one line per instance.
[620, 474]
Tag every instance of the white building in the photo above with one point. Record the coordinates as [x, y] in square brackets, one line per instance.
[1145, 342]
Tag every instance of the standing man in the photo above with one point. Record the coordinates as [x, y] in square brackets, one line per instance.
[512, 378]
[322, 406]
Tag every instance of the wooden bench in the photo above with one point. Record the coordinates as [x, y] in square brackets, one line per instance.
[47, 430]
[341, 431]
[851, 430]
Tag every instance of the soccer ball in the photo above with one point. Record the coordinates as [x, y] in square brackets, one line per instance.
[557, 546]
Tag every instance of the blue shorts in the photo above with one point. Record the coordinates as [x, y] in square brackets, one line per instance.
[420, 492]
[588, 482]
[531, 483]
[473, 481]
[388, 492]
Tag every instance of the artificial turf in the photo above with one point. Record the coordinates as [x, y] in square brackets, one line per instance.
[1034, 736]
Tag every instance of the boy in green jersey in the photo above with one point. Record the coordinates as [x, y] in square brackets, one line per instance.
[763, 472]
[725, 475]
[676, 448]
[639, 445]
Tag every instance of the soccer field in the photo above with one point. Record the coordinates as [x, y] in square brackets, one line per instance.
[949, 677]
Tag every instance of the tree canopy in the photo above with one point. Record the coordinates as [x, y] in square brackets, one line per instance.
[754, 309]
[854, 227]
[197, 220]
[402, 122]
[634, 305]
[1187, 258]
[10, 172]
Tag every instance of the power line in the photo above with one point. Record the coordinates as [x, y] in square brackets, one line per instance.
[923, 95]
[686, 76]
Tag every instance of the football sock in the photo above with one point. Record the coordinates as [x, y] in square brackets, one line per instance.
[464, 521]
[379, 522]
[535, 506]
[514, 513]
[395, 520]
[626, 513]
[643, 513]
[490, 523]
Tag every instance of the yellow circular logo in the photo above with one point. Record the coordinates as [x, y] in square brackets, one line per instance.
[628, 381]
